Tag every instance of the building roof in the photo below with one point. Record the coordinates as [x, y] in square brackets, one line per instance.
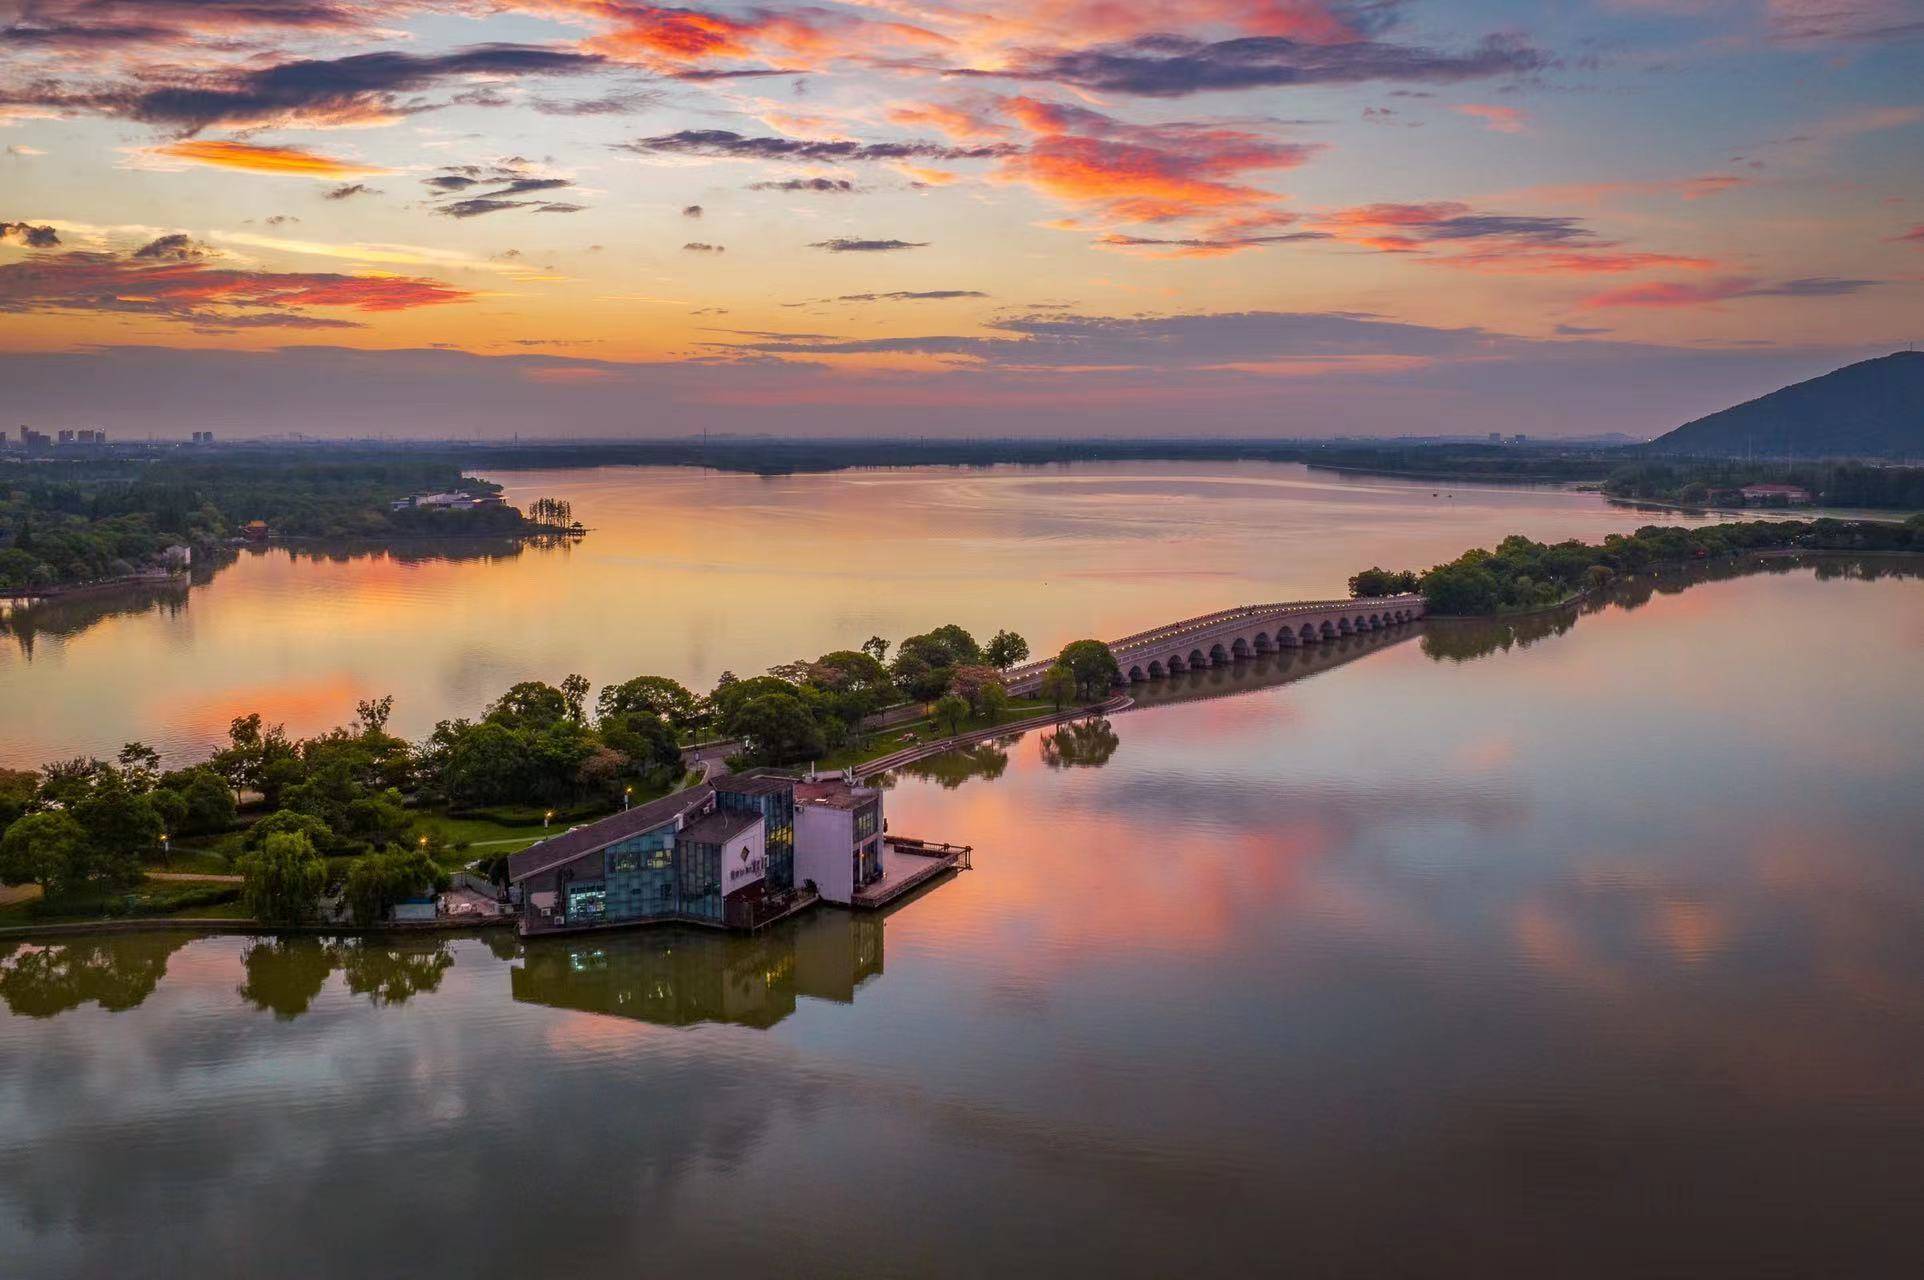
[720, 826]
[753, 784]
[640, 820]
[833, 793]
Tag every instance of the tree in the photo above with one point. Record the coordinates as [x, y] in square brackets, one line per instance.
[574, 695]
[139, 766]
[644, 739]
[1092, 665]
[47, 849]
[951, 709]
[372, 714]
[1374, 582]
[994, 700]
[1005, 650]
[19, 788]
[376, 881]
[121, 828]
[729, 699]
[778, 729]
[971, 683]
[285, 821]
[528, 705]
[1058, 685]
[282, 880]
[657, 695]
[877, 648]
[208, 804]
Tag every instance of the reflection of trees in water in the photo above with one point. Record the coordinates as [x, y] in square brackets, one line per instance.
[62, 616]
[1460, 640]
[949, 770]
[389, 972]
[1080, 744]
[69, 615]
[116, 972]
[285, 974]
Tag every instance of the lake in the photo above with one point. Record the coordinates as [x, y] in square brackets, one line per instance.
[1588, 947]
[690, 573]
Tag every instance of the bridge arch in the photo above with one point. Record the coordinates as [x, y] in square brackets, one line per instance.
[1156, 670]
[1197, 658]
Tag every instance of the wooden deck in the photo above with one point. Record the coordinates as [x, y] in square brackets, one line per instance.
[907, 865]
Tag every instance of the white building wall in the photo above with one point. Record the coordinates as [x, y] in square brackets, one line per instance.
[825, 850]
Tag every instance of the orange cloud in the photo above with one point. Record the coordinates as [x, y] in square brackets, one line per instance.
[1147, 173]
[291, 161]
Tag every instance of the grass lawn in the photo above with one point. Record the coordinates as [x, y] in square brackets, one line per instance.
[510, 829]
[152, 898]
[190, 861]
[899, 736]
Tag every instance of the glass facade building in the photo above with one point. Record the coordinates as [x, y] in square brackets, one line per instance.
[773, 797]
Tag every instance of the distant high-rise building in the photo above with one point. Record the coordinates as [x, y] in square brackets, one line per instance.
[66, 437]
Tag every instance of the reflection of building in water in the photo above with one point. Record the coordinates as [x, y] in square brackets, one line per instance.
[678, 977]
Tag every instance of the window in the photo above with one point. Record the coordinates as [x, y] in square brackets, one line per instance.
[589, 902]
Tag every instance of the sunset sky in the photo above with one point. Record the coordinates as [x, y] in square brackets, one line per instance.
[1251, 217]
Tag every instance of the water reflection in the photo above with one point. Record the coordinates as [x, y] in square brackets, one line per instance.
[688, 574]
[1079, 744]
[1461, 639]
[679, 977]
[1416, 969]
[116, 972]
[950, 769]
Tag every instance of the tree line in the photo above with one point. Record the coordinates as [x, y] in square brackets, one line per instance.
[1520, 574]
[1834, 484]
[77, 521]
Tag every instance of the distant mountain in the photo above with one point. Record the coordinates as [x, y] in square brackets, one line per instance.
[1872, 409]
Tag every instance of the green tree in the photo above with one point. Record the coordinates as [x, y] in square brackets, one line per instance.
[951, 709]
[528, 705]
[282, 880]
[1374, 582]
[376, 881]
[306, 825]
[1006, 649]
[47, 849]
[574, 695]
[877, 648]
[1092, 665]
[644, 739]
[208, 804]
[656, 695]
[122, 828]
[19, 788]
[778, 729]
[1058, 685]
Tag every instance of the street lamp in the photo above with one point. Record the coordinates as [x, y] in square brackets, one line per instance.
[546, 818]
[627, 793]
[164, 846]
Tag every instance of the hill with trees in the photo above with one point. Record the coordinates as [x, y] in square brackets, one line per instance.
[1871, 409]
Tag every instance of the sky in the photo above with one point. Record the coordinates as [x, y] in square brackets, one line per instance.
[598, 218]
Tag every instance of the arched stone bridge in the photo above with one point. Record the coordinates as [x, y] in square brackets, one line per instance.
[1217, 638]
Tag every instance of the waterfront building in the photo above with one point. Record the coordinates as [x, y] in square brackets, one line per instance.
[838, 836]
[1775, 495]
[772, 795]
[719, 855]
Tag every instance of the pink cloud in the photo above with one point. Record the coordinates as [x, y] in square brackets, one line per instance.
[1495, 119]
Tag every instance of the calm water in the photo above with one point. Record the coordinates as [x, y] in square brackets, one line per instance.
[687, 574]
[1594, 951]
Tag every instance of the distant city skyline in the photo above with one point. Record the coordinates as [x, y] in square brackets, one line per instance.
[596, 218]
